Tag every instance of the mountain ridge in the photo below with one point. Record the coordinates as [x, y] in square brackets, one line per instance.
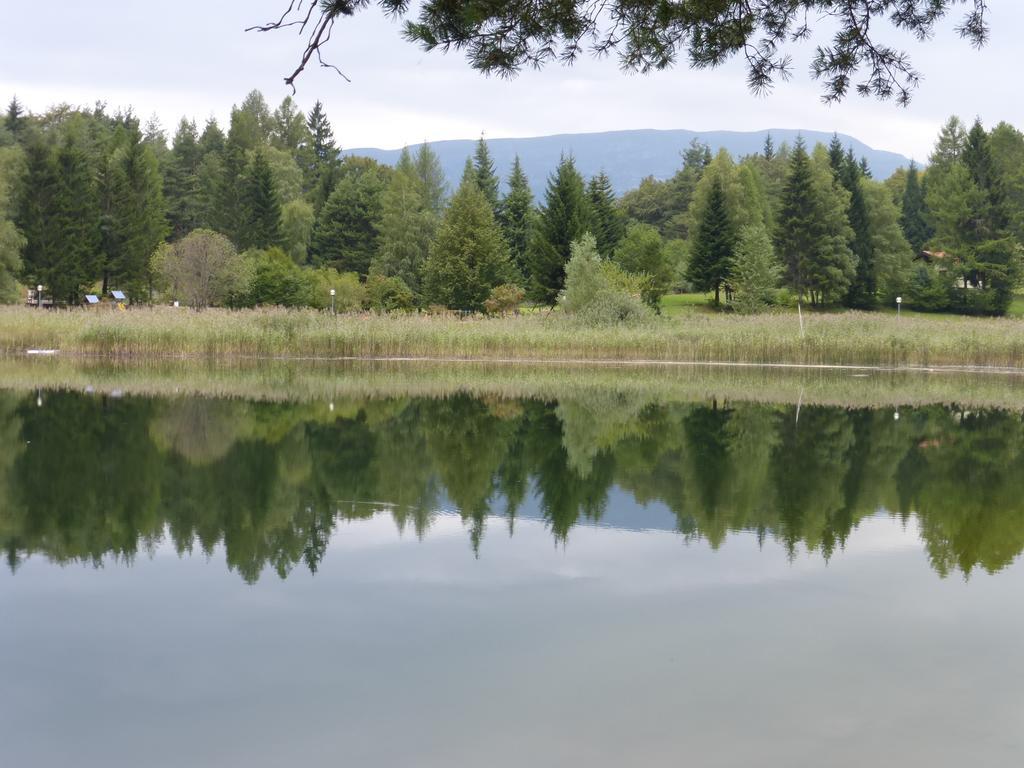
[626, 156]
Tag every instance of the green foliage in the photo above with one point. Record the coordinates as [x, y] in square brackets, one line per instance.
[349, 292]
[517, 216]
[469, 256]
[863, 290]
[914, 213]
[565, 218]
[892, 253]
[203, 269]
[388, 294]
[346, 235]
[755, 272]
[504, 299]
[642, 252]
[12, 241]
[713, 243]
[408, 223]
[608, 225]
[599, 291]
[261, 206]
[276, 280]
[430, 174]
[182, 187]
[486, 178]
[59, 217]
[297, 220]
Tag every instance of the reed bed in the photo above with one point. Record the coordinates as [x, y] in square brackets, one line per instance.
[336, 382]
[851, 338]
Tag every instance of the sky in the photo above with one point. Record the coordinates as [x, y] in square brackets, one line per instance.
[193, 58]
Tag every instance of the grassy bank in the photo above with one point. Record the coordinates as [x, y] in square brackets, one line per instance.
[852, 338]
[326, 382]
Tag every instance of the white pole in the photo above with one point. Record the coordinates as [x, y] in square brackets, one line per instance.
[800, 314]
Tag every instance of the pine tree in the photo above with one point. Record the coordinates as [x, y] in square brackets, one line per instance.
[469, 257]
[713, 244]
[227, 212]
[563, 220]
[836, 156]
[137, 216]
[486, 178]
[321, 174]
[754, 271]
[346, 232]
[181, 181]
[609, 227]
[261, 206]
[914, 217]
[517, 216]
[769, 148]
[950, 144]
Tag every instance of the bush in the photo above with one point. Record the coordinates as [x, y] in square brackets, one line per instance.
[504, 299]
[642, 251]
[598, 291]
[349, 292]
[388, 294]
[277, 280]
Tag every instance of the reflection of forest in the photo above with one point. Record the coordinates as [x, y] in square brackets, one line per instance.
[83, 477]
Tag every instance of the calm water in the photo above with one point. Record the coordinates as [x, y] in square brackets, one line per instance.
[596, 581]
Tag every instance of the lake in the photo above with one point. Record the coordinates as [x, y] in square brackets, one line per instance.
[382, 571]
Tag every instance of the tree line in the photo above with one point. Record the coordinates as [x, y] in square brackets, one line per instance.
[270, 482]
[270, 213]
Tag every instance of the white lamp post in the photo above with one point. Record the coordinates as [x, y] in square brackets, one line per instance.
[39, 296]
[332, 301]
[899, 303]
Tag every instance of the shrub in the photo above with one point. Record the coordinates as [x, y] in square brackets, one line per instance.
[598, 291]
[202, 269]
[349, 292]
[642, 251]
[388, 294]
[277, 280]
[504, 299]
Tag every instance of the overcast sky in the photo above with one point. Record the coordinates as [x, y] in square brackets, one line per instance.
[192, 57]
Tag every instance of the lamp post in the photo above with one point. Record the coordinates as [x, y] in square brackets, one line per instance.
[332, 301]
[39, 297]
[899, 303]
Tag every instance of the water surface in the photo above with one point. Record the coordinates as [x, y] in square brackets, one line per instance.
[596, 579]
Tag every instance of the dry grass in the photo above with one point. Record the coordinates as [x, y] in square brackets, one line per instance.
[851, 338]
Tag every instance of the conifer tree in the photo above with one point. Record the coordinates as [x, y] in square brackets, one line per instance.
[14, 121]
[261, 206]
[12, 241]
[769, 148]
[609, 227]
[863, 290]
[407, 227]
[563, 220]
[469, 257]
[433, 186]
[322, 173]
[182, 190]
[59, 217]
[346, 233]
[227, 212]
[813, 231]
[486, 178]
[516, 216]
[713, 244]
[836, 156]
[137, 216]
[914, 216]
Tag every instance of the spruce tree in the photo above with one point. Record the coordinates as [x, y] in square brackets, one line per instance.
[795, 238]
[486, 178]
[563, 220]
[469, 257]
[137, 216]
[836, 156]
[321, 174]
[261, 206]
[769, 148]
[346, 232]
[517, 216]
[15, 120]
[181, 181]
[609, 227]
[227, 212]
[914, 215]
[59, 218]
[713, 244]
[862, 293]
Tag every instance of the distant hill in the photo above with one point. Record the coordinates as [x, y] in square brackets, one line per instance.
[626, 156]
